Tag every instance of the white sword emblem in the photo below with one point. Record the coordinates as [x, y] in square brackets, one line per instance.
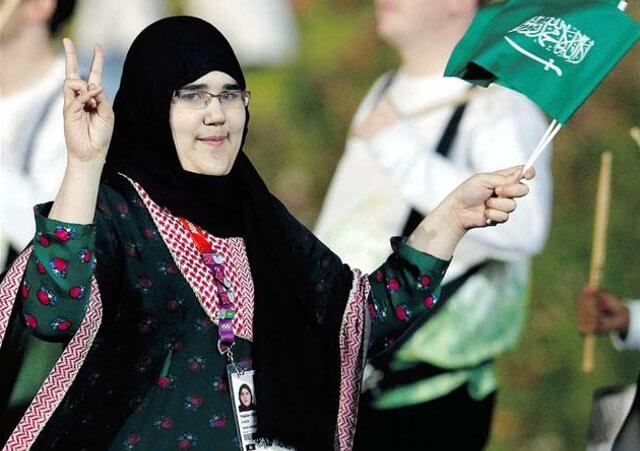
[548, 64]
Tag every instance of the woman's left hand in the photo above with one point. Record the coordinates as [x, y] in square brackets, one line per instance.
[482, 200]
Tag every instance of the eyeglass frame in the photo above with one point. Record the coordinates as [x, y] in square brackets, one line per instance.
[244, 94]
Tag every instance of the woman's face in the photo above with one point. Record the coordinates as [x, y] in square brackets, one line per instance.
[245, 397]
[207, 139]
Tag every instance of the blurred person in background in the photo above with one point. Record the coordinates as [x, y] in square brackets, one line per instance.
[32, 149]
[32, 164]
[602, 312]
[413, 138]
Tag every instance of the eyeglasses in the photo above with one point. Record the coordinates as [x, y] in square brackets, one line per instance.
[197, 100]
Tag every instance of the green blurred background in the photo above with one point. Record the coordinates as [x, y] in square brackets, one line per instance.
[300, 117]
[300, 114]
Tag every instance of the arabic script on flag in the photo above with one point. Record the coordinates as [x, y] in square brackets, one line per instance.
[558, 37]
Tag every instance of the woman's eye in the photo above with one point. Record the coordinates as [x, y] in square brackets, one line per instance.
[190, 96]
[227, 96]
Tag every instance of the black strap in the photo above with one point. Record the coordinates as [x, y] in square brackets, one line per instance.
[36, 129]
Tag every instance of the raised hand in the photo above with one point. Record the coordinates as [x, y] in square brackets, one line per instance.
[88, 117]
[482, 200]
[487, 198]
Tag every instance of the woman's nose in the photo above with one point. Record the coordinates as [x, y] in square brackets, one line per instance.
[214, 113]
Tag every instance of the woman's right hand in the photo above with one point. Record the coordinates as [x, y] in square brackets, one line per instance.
[88, 116]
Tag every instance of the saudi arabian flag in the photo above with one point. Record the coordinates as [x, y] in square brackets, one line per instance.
[556, 52]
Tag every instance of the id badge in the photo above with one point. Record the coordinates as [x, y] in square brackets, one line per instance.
[244, 403]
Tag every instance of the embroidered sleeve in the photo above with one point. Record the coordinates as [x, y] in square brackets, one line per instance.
[57, 281]
[403, 290]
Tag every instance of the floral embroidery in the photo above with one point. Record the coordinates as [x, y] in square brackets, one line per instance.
[43, 240]
[144, 284]
[65, 234]
[167, 382]
[167, 268]
[131, 441]
[41, 268]
[123, 210]
[423, 282]
[30, 321]
[193, 402]
[220, 384]
[187, 441]
[218, 422]
[132, 250]
[430, 301]
[24, 290]
[150, 234]
[173, 305]
[163, 423]
[58, 266]
[196, 364]
[393, 285]
[174, 344]
[60, 324]
[203, 324]
[76, 292]
[84, 256]
[403, 313]
[379, 276]
[46, 297]
[146, 324]
[142, 365]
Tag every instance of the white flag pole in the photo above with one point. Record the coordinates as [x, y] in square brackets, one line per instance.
[546, 139]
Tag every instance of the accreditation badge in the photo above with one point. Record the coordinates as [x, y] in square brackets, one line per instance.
[243, 398]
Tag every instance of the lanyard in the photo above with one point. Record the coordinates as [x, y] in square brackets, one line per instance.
[215, 262]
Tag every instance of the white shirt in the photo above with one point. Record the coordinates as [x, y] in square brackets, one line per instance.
[632, 340]
[379, 180]
[20, 191]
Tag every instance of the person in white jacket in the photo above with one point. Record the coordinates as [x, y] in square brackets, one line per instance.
[415, 136]
[32, 148]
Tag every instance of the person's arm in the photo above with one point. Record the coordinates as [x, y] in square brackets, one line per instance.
[57, 280]
[408, 284]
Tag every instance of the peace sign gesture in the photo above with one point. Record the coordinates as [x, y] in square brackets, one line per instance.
[88, 117]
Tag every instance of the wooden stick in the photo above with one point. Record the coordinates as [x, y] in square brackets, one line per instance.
[599, 250]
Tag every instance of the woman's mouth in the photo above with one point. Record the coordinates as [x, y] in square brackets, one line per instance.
[213, 141]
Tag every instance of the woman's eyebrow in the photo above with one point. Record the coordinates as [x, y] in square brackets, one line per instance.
[195, 86]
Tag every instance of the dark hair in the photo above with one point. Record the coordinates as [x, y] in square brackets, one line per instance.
[64, 9]
[243, 386]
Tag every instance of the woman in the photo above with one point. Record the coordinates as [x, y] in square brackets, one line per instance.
[246, 399]
[137, 262]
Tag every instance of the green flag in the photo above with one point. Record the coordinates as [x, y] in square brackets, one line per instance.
[556, 52]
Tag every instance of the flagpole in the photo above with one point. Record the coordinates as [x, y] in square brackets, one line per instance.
[598, 251]
[546, 139]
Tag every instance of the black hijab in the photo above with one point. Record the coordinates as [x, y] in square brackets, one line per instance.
[295, 349]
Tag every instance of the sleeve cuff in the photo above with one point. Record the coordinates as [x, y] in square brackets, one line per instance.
[632, 340]
[426, 263]
[62, 231]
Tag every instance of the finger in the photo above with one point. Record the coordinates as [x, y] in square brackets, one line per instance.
[496, 216]
[512, 171]
[608, 324]
[70, 59]
[102, 104]
[501, 203]
[531, 173]
[82, 100]
[95, 74]
[512, 190]
[71, 87]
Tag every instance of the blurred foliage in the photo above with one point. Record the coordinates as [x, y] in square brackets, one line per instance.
[300, 118]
